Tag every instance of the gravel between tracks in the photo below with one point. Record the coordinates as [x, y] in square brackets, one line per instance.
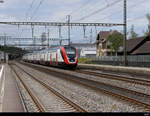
[127, 85]
[87, 98]
[31, 107]
[51, 102]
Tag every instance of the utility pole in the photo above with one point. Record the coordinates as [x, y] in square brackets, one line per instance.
[4, 47]
[91, 35]
[60, 37]
[48, 37]
[125, 32]
[2, 1]
[32, 27]
[60, 32]
[68, 16]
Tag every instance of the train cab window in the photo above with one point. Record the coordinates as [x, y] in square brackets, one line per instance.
[70, 51]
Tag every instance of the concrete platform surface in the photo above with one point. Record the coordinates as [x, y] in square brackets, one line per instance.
[9, 97]
[133, 70]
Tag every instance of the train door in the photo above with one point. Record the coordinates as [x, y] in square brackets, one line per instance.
[40, 59]
[51, 58]
[56, 59]
[47, 59]
[44, 59]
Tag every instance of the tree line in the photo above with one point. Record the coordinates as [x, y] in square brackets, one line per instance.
[13, 52]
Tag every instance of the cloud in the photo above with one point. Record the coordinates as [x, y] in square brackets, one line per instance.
[57, 10]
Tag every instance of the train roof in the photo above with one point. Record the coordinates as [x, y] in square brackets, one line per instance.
[53, 48]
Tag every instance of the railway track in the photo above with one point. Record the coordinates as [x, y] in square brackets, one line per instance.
[35, 100]
[133, 97]
[116, 77]
[72, 106]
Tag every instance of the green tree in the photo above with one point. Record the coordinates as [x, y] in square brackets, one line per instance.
[147, 33]
[132, 32]
[115, 41]
[13, 52]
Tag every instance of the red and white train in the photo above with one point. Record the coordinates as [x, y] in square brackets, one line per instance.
[62, 56]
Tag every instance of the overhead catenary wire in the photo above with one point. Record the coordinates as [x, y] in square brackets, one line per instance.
[137, 4]
[118, 12]
[35, 11]
[83, 8]
[135, 19]
[75, 11]
[99, 10]
[80, 7]
[139, 17]
[29, 9]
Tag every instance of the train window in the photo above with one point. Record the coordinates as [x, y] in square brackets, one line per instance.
[70, 51]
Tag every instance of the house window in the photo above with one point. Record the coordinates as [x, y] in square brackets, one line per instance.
[104, 45]
[108, 53]
[108, 47]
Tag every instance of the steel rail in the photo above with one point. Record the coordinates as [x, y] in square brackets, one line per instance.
[102, 87]
[117, 77]
[75, 106]
[123, 97]
[41, 109]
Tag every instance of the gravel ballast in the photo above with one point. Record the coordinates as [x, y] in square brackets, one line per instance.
[88, 99]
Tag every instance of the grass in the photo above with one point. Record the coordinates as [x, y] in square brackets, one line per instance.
[85, 60]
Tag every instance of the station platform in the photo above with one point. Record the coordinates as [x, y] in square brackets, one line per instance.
[122, 69]
[9, 98]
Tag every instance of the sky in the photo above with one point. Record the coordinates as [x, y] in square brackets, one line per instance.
[81, 11]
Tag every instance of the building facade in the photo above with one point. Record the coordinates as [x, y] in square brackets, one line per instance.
[85, 49]
[103, 46]
[2, 56]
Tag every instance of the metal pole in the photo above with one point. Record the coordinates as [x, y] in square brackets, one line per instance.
[125, 32]
[68, 16]
[59, 32]
[48, 38]
[4, 48]
[149, 27]
[2, 1]
[60, 37]
[33, 34]
[91, 36]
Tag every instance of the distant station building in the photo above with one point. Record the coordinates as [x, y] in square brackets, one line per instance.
[2, 56]
[85, 49]
[88, 53]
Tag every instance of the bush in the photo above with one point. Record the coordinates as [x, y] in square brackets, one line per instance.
[85, 60]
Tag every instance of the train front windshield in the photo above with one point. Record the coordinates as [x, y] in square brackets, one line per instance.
[71, 52]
